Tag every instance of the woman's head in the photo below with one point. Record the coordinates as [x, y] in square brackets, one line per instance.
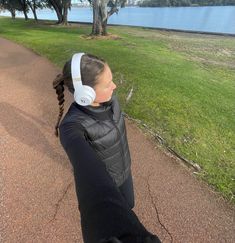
[95, 73]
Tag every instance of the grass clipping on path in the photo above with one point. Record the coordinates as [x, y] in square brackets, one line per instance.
[182, 85]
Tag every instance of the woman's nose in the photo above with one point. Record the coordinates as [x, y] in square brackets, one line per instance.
[114, 86]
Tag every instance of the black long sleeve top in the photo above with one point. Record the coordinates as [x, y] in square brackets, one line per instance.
[105, 215]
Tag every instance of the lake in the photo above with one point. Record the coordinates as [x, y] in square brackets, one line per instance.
[216, 19]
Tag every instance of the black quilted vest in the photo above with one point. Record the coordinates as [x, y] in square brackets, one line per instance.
[106, 135]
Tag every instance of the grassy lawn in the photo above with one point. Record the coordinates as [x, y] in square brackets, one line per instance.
[183, 85]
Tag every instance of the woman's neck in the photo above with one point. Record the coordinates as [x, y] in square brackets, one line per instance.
[95, 104]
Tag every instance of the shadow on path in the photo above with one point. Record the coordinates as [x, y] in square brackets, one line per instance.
[29, 130]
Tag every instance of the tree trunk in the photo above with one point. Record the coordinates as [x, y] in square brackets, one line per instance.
[33, 8]
[97, 24]
[65, 12]
[58, 11]
[103, 12]
[60, 17]
[13, 13]
[100, 16]
[104, 27]
[65, 16]
[35, 14]
[24, 8]
[25, 14]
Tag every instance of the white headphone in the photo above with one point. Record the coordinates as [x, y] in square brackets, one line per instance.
[83, 94]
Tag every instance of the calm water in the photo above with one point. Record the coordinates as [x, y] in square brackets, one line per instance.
[208, 19]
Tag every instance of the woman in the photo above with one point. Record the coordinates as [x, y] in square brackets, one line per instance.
[95, 116]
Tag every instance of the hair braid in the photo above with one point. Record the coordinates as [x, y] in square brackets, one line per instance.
[58, 85]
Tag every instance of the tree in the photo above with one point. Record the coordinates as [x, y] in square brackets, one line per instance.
[11, 5]
[102, 10]
[24, 7]
[35, 4]
[61, 7]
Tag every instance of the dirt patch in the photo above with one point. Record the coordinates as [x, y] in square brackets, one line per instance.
[101, 37]
[207, 61]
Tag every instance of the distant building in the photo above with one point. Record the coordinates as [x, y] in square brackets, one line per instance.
[78, 3]
[133, 2]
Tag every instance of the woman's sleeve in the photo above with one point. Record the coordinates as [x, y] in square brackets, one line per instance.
[105, 215]
[69, 132]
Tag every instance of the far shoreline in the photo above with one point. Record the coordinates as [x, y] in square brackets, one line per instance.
[142, 27]
[163, 29]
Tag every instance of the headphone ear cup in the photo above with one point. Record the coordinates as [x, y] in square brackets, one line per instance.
[85, 95]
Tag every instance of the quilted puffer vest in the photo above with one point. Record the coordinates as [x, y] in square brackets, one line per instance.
[107, 137]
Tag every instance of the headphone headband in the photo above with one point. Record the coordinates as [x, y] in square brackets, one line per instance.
[76, 67]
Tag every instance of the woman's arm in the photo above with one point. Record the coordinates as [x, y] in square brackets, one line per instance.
[105, 215]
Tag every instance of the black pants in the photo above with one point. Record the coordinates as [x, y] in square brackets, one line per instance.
[127, 191]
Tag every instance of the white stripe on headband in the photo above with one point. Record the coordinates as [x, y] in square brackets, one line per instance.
[76, 67]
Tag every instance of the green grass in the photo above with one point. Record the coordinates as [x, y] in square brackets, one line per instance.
[183, 85]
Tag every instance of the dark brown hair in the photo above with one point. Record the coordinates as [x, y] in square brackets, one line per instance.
[91, 68]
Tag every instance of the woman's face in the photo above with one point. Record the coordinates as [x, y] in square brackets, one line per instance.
[104, 87]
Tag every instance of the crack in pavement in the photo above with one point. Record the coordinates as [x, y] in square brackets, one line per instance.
[57, 205]
[156, 210]
[34, 235]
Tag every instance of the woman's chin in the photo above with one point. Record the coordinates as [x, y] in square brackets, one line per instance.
[108, 99]
[105, 100]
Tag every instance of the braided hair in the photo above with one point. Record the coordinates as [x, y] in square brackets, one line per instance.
[58, 85]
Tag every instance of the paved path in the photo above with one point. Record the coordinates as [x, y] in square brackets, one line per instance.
[38, 202]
